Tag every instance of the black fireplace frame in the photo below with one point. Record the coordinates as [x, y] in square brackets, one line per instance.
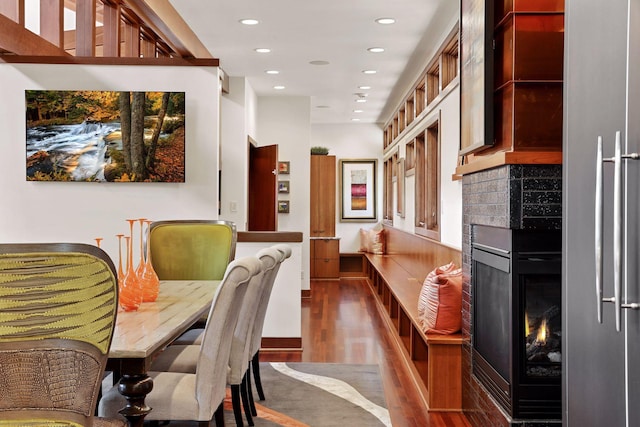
[519, 253]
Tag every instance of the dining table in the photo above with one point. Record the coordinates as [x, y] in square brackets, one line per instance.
[142, 334]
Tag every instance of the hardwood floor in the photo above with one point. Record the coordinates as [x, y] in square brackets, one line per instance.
[340, 324]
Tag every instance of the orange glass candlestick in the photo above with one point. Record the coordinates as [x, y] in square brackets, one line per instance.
[148, 277]
[98, 240]
[141, 262]
[120, 270]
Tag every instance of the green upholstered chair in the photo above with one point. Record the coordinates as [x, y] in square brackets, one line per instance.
[58, 304]
[191, 249]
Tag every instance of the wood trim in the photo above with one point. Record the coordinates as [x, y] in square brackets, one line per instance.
[501, 158]
[270, 236]
[277, 344]
[30, 58]
[17, 40]
[86, 28]
[52, 21]
[305, 293]
[149, 16]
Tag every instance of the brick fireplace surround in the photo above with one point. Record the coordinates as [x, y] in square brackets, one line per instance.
[510, 196]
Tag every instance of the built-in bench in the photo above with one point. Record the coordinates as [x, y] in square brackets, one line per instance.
[434, 360]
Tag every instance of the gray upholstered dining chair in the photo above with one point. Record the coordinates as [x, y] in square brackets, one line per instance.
[256, 333]
[58, 308]
[182, 358]
[199, 395]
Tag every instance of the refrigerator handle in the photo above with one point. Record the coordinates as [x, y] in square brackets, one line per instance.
[598, 229]
[617, 231]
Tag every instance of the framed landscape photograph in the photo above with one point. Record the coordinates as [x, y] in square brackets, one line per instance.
[105, 136]
[358, 190]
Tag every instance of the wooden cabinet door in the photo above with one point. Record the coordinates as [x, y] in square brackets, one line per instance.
[323, 196]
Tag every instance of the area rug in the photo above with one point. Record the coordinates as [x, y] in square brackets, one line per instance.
[319, 395]
[313, 395]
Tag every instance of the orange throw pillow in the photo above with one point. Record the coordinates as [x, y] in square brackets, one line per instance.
[441, 297]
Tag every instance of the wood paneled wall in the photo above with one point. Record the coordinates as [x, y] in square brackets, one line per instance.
[418, 255]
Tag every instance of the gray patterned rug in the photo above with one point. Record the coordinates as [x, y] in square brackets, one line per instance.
[317, 395]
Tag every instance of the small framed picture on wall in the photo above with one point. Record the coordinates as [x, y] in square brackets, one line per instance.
[283, 206]
[283, 168]
[283, 186]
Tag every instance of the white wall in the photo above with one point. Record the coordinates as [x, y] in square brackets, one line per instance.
[285, 121]
[234, 154]
[351, 141]
[80, 211]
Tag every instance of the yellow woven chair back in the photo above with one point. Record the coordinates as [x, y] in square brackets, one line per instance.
[58, 305]
[192, 249]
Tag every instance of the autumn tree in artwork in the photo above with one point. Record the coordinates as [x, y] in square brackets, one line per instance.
[140, 159]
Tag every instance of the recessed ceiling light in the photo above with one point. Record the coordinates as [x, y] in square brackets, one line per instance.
[262, 50]
[357, 111]
[319, 62]
[272, 72]
[355, 120]
[361, 100]
[361, 94]
[369, 71]
[278, 87]
[364, 87]
[249, 21]
[376, 49]
[385, 21]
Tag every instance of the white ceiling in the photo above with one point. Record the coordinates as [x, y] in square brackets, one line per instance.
[337, 31]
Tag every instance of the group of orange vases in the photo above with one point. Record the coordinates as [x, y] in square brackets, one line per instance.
[136, 285]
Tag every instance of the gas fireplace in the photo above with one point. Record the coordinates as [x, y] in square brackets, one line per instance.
[517, 335]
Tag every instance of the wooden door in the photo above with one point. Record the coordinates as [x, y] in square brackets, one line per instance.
[263, 206]
[323, 196]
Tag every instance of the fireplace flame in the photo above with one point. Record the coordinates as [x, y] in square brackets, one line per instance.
[527, 330]
[543, 331]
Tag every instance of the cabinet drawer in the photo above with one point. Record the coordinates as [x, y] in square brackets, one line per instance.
[326, 248]
[326, 268]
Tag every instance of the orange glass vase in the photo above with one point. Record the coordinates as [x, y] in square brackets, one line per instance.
[131, 293]
[148, 278]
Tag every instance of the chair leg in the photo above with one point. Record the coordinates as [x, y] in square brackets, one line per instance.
[252, 405]
[235, 402]
[255, 362]
[218, 416]
[245, 400]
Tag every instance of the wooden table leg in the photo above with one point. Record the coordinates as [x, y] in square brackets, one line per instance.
[134, 388]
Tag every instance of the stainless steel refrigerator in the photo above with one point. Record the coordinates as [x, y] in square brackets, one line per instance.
[601, 234]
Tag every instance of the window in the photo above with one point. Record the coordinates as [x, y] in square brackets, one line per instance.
[420, 98]
[410, 156]
[428, 182]
[449, 63]
[388, 191]
[433, 82]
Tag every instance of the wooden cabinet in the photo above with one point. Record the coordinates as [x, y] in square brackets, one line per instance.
[323, 196]
[325, 258]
